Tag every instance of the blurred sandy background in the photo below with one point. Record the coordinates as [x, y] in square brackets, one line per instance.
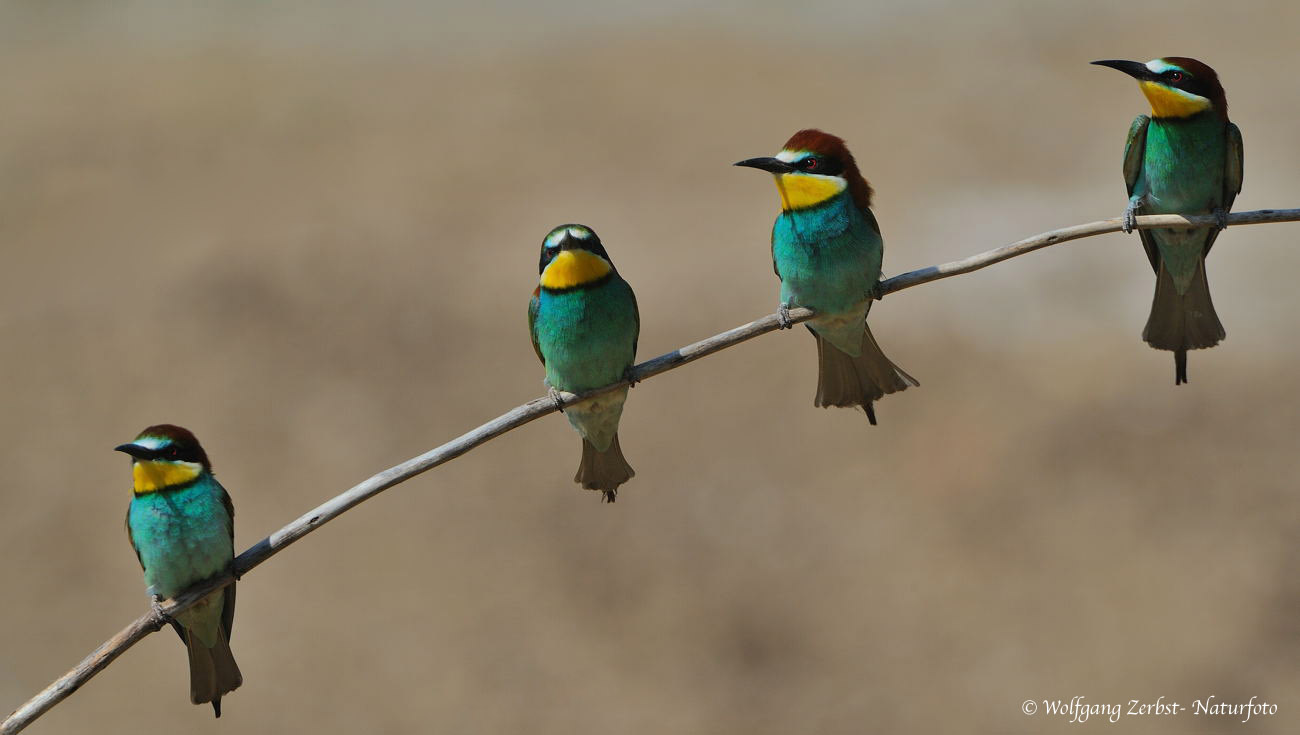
[309, 233]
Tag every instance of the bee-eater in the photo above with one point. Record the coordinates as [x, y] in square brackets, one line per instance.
[182, 526]
[827, 250]
[584, 323]
[1186, 158]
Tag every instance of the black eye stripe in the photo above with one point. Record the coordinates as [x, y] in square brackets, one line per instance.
[173, 454]
[824, 165]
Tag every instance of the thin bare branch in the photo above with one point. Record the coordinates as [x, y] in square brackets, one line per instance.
[539, 407]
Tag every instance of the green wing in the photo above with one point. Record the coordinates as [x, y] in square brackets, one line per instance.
[228, 609]
[870, 217]
[636, 312]
[131, 537]
[533, 305]
[1233, 167]
[1134, 149]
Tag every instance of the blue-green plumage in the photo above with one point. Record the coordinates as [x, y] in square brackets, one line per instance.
[827, 251]
[587, 335]
[584, 324]
[1183, 164]
[1186, 158]
[181, 524]
[182, 536]
[828, 259]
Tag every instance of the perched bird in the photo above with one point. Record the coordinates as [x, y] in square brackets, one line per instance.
[182, 526]
[1185, 158]
[827, 250]
[584, 323]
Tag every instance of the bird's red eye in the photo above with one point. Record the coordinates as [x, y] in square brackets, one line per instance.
[811, 164]
[1176, 76]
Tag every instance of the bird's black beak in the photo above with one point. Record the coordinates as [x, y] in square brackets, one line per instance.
[135, 450]
[770, 165]
[1135, 69]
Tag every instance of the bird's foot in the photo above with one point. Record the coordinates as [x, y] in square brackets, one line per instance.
[1129, 220]
[783, 316]
[630, 376]
[1221, 218]
[876, 294]
[155, 606]
[555, 397]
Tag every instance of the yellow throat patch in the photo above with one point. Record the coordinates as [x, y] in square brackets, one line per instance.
[573, 268]
[1169, 102]
[151, 476]
[800, 191]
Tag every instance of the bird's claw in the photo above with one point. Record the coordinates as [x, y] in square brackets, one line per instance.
[555, 397]
[1221, 218]
[876, 294]
[155, 605]
[629, 375]
[1129, 219]
[783, 316]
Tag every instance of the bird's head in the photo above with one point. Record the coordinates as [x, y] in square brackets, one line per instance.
[1176, 86]
[165, 457]
[813, 168]
[572, 257]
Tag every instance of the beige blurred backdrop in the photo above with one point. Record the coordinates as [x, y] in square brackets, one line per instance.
[308, 232]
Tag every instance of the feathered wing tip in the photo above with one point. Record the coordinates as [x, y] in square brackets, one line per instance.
[843, 380]
[603, 471]
[1182, 322]
[213, 671]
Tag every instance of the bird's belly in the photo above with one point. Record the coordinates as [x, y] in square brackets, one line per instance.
[844, 329]
[204, 617]
[596, 419]
[1170, 193]
[826, 282]
[1181, 251]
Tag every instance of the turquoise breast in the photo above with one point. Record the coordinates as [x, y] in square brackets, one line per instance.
[588, 335]
[1182, 173]
[182, 536]
[1183, 165]
[828, 256]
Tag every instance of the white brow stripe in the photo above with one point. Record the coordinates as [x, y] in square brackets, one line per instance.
[151, 442]
[577, 232]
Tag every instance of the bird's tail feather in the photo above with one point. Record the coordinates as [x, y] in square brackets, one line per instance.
[213, 671]
[843, 380]
[1182, 322]
[603, 471]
